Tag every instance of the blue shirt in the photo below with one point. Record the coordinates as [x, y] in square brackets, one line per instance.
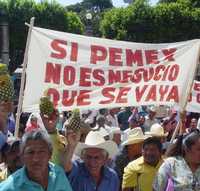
[19, 181]
[3, 139]
[11, 123]
[81, 179]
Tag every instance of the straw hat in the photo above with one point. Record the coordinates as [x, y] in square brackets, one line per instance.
[157, 131]
[95, 140]
[135, 135]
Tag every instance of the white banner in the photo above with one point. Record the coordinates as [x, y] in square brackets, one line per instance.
[85, 72]
[194, 99]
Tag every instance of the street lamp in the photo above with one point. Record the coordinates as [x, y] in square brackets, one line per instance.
[89, 30]
[88, 16]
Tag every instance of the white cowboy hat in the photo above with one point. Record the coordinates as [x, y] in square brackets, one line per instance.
[157, 130]
[114, 130]
[103, 132]
[135, 135]
[95, 140]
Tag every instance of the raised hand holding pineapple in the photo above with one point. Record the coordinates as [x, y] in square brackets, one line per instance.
[6, 96]
[48, 114]
[74, 121]
[6, 90]
[73, 128]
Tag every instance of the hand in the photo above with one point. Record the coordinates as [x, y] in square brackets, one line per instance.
[72, 137]
[6, 107]
[3, 121]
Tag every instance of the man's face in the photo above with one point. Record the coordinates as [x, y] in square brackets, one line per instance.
[101, 121]
[3, 119]
[6, 106]
[12, 159]
[117, 138]
[141, 120]
[152, 114]
[36, 156]
[193, 123]
[151, 154]
[50, 123]
[94, 159]
[134, 150]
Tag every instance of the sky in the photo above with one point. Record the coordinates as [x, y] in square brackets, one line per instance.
[116, 3]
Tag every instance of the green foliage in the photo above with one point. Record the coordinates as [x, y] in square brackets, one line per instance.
[74, 23]
[47, 15]
[127, 23]
[193, 3]
[77, 8]
[3, 10]
[167, 1]
[165, 22]
[97, 4]
[54, 16]
[114, 22]
[96, 8]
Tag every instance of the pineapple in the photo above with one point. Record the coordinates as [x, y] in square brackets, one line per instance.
[6, 85]
[74, 121]
[46, 106]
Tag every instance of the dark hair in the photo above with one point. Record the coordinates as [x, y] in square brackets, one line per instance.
[191, 139]
[102, 111]
[182, 143]
[153, 140]
[10, 146]
[175, 149]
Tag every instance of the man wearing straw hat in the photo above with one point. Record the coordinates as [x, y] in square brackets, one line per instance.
[90, 173]
[139, 174]
[157, 130]
[132, 149]
[150, 118]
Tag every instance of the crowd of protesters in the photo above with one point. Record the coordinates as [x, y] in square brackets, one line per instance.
[117, 149]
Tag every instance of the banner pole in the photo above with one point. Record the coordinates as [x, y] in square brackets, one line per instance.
[179, 127]
[21, 93]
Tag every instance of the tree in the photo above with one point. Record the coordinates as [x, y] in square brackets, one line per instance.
[167, 1]
[96, 8]
[92, 5]
[48, 15]
[99, 5]
[128, 23]
[193, 3]
[165, 22]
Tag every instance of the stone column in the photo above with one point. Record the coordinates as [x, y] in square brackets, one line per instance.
[5, 42]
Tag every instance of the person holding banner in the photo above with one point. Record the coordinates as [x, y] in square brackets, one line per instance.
[182, 167]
